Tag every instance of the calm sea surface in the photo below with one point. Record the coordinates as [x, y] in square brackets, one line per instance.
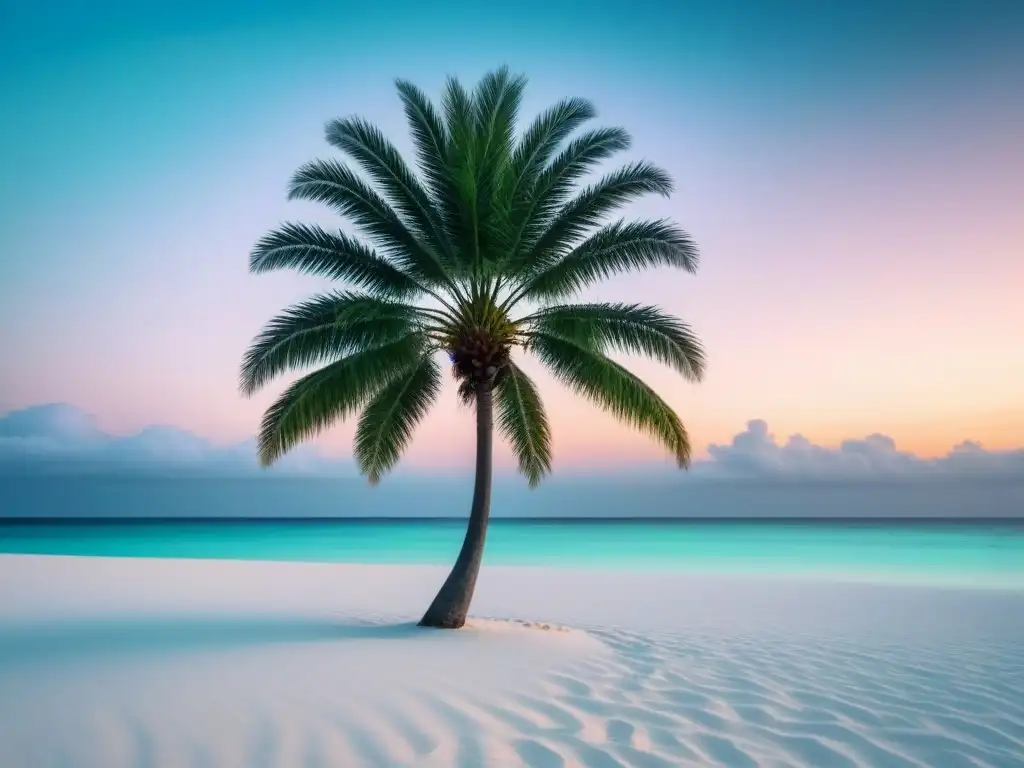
[948, 554]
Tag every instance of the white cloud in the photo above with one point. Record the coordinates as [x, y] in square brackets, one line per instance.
[58, 435]
[45, 428]
[755, 452]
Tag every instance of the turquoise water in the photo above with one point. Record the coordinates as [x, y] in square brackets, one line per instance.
[948, 554]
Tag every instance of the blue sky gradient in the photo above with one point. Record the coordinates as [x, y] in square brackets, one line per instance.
[851, 171]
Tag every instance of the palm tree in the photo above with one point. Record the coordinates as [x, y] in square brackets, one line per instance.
[472, 257]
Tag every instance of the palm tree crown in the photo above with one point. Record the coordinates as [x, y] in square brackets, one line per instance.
[473, 255]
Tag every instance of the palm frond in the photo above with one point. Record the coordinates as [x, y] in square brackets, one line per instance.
[616, 248]
[539, 143]
[331, 393]
[588, 372]
[631, 328]
[336, 185]
[323, 329]
[496, 102]
[555, 183]
[387, 423]
[311, 250]
[462, 161]
[522, 421]
[383, 163]
[589, 208]
[459, 112]
[466, 392]
[430, 138]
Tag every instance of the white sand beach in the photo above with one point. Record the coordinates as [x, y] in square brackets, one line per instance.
[133, 662]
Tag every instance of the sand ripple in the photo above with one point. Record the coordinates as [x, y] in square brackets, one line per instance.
[110, 689]
[642, 700]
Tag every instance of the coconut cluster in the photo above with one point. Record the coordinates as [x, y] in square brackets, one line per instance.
[479, 355]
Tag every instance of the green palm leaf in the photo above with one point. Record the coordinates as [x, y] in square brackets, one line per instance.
[522, 421]
[333, 183]
[631, 328]
[321, 330]
[589, 208]
[387, 423]
[588, 372]
[383, 163]
[466, 393]
[462, 162]
[459, 117]
[539, 142]
[313, 251]
[496, 101]
[555, 183]
[619, 247]
[430, 138]
[333, 392]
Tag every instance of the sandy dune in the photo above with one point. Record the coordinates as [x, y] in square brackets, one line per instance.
[206, 663]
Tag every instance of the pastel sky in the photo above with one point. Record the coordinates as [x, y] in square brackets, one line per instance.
[853, 173]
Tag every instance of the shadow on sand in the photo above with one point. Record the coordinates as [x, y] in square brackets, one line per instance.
[74, 639]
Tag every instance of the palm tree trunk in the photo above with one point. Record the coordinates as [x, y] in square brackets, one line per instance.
[449, 609]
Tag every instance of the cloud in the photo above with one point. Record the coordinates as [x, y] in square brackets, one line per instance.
[756, 453]
[44, 428]
[58, 436]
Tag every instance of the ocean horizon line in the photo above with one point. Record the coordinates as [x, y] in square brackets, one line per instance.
[1014, 521]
